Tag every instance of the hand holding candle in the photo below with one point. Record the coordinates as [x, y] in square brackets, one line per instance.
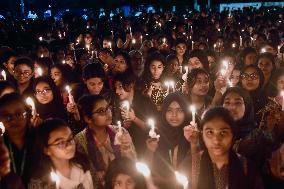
[282, 94]
[152, 132]
[126, 106]
[70, 96]
[31, 103]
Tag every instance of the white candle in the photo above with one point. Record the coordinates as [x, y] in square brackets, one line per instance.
[233, 45]
[63, 61]
[282, 94]
[164, 40]
[41, 56]
[133, 41]
[193, 112]
[55, 178]
[31, 103]
[88, 47]
[279, 49]
[241, 41]
[152, 132]
[184, 76]
[130, 31]
[182, 179]
[70, 96]
[40, 38]
[167, 83]
[192, 45]
[126, 106]
[173, 85]
[230, 83]
[39, 71]
[263, 50]
[110, 45]
[119, 128]
[143, 169]
[2, 129]
[3, 73]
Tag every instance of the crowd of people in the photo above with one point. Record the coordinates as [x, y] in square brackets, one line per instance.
[161, 100]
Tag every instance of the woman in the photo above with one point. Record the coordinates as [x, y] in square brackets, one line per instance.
[122, 173]
[49, 102]
[6, 88]
[172, 146]
[97, 141]
[267, 65]
[180, 50]
[248, 56]
[277, 86]
[58, 156]
[218, 166]
[8, 61]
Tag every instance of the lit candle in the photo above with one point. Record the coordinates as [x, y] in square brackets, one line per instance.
[112, 33]
[167, 83]
[241, 41]
[2, 129]
[230, 83]
[88, 47]
[3, 73]
[184, 76]
[263, 50]
[125, 105]
[214, 46]
[282, 94]
[55, 178]
[182, 179]
[119, 127]
[143, 169]
[118, 134]
[251, 41]
[233, 45]
[133, 41]
[77, 41]
[192, 45]
[40, 38]
[173, 85]
[70, 96]
[110, 45]
[130, 31]
[31, 103]
[41, 56]
[279, 49]
[152, 132]
[193, 112]
[63, 61]
[164, 40]
[39, 71]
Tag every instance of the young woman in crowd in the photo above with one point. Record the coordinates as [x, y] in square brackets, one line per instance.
[8, 60]
[97, 140]
[58, 157]
[180, 50]
[267, 65]
[6, 87]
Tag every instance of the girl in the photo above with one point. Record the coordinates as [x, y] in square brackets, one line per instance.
[267, 65]
[58, 155]
[122, 63]
[122, 173]
[49, 102]
[218, 166]
[153, 85]
[98, 139]
[199, 84]
[180, 50]
[172, 146]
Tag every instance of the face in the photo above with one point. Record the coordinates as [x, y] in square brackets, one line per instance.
[10, 64]
[201, 86]
[42, 52]
[106, 44]
[174, 65]
[7, 90]
[14, 117]
[95, 85]
[23, 73]
[56, 75]
[250, 79]
[137, 63]
[101, 115]
[280, 84]
[123, 181]
[235, 77]
[217, 136]
[180, 49]
[175, 115]
[156, 69]
[61, 144]
[43, 93]
[266, 66]
[88, 39]
[235, 104]
[194, 63]
[120, 64]
[250, 59]
[121, 92]
[211, 61]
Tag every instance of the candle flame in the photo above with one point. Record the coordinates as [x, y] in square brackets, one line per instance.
[30, 102]
[40, 38]
[263, 50]
[125, 104]
[192, 108]
[151, 122]
[3, 73]
[2, 128]
[133, 41]
[181, 179]
[143, 169]
[39, 71]
[68, 88]
[54, 177]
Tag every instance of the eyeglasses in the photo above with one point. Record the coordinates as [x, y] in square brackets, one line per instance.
[43, 92]
[24, 74]
[103, 111]
[64, 144]
[253, 76]
[16, 116]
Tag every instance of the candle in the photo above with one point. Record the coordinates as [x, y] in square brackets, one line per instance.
[168, 86]
[77, 41]
[2, 129]
[282, 94]
[112, 33]
[63, 61]
[241, 41]
[39, 71]
[70, 96]
[172, 83]
[133, 41]
[130, 31]
[263, 50]
[110, 45]
[193, 112]
[182, 179]
[230, 83]
[233, 45]
[125, 105]
[31, 103]
[214, 46]
[119, 128]
[88, 47]
[152, 132]
[192, 45]
[41, 56]
[55, 178]
[143, 169]
[3, 73]
[278, 49]
[40, 38]
[118, 134]
[164, 40]
[184, 76]
[251, 41]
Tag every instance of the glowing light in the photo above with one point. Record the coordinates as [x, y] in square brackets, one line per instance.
[143, 169]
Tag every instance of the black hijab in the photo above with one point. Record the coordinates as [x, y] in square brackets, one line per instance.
[173, 136]
[246, 124]
[53, 109]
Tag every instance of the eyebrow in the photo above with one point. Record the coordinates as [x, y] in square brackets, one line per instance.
[59, 139]
[218, 129]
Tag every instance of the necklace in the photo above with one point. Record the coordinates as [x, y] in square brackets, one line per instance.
[23, 161]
